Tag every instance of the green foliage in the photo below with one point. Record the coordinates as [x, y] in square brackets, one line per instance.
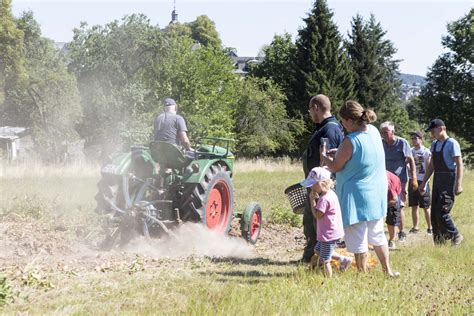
[399, 116]
[201, 80]
[126, 68]
[48, 100]
[375, 71]
[278, 63]
[415, 112]
[449, 91]
[12, 58]
[284, 216]
[321, 61]
[36, 279]
[109, 63]
[5, 291]
[262, 124]
[203, 31]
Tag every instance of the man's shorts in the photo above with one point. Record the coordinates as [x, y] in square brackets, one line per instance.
[359, 236]
[325, 249]
[416, 199]
[393, 216]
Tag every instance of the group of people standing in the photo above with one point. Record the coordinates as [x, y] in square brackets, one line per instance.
[369, 166]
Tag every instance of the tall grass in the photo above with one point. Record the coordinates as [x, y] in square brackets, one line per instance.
[36, 169]
[434, 280]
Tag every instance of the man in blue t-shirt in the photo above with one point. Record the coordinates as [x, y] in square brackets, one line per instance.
[327, 126]
[397, 156]
[447, 165]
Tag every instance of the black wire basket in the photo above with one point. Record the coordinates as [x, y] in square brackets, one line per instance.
[297, 195]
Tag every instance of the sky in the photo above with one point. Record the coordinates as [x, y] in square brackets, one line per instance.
[415, 27]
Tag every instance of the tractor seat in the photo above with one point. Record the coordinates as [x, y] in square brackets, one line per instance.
[168, 155]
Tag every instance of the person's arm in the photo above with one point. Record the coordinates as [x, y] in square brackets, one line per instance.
[429, 172]
[459, 175]
[343, 155]
[184, 140]
[318, 214]
[318, 206]
[411, 163]
[183, 133]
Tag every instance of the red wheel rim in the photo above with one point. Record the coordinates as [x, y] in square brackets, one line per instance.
[255, 225]
[218, 207]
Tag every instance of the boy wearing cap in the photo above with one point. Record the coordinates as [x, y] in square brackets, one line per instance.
[171, 127]
[422, 157]
[447, 166]
[327, 212]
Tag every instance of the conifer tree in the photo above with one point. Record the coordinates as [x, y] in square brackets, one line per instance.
[321, 64]
[375, 70]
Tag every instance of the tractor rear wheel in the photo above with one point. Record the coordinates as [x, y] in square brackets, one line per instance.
[212, 200]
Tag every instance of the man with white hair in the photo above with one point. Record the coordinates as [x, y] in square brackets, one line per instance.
[171, 127]
[398, 155]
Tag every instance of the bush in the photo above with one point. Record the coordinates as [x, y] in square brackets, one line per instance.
[5, 291]
[284, 216]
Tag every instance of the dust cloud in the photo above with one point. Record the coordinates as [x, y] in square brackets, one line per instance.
[191, 239]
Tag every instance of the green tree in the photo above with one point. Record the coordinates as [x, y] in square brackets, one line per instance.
[12, 59]
[201, 80]
[414, 110]
[321, 61]
[449, 91]
[48, 102]
[262, 124]
[372, 60]
[278, 63]
[109, 63]
[203, 31]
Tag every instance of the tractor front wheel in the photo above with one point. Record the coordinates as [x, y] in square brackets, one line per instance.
[251, 223]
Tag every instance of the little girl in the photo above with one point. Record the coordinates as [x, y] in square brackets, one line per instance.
[326, 210]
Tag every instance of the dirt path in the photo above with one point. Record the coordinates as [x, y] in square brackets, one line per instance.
[27, 243]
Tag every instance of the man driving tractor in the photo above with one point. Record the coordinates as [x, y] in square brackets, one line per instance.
[171, 127]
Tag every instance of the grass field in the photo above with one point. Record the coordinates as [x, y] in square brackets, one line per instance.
[434, 280]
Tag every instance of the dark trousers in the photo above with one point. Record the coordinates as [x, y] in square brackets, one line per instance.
[309, 231]
[442, 203]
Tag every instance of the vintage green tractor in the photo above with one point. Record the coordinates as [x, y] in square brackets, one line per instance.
[151, 190]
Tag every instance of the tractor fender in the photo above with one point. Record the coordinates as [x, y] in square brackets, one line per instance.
[204, 165]
[120, 162]
[247, 214]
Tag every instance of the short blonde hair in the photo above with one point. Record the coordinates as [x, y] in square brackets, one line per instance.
[326, 185]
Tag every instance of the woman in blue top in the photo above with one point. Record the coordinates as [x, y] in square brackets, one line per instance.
[361, 185]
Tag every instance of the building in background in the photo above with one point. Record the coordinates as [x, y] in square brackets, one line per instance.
[15, 143]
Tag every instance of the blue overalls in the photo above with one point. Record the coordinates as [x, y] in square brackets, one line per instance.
[442, 198]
